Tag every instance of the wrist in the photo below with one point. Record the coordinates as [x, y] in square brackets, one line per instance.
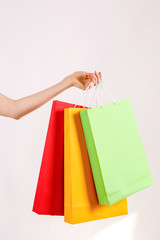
[68, 82]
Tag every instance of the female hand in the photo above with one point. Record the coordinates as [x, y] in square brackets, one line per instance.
[82, 79]
[20, 107]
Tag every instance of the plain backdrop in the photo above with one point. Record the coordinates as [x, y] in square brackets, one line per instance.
[43, 41]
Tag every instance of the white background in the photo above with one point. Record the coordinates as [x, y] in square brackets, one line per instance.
[40, 43]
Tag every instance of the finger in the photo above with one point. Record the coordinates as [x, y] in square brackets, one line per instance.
[91, 85]
[87, 84]
[88, 81]
[95, 78]
[100, 74]
[98, 77]
[90, 76]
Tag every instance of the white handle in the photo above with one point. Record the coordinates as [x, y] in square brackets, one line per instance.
[99, 94]
[106, 89]
[87, 93]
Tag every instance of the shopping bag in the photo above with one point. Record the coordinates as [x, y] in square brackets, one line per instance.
[49, 196]
[117, 156]
[80, 198]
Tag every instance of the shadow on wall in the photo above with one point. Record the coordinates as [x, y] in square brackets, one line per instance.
[137, 225]
[146, 204]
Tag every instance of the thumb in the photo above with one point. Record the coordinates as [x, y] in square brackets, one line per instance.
[87, 83]
[90, 75]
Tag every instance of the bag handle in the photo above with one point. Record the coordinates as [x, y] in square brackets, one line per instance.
[99, 99]
[99, 96]
[85, 94]
[106, 89]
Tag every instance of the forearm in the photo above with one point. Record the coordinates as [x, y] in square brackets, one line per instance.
[20, 107]
[28, 104]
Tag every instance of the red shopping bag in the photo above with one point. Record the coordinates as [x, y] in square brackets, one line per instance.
[49, 196]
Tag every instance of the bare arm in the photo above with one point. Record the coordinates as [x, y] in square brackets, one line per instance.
[20, 107]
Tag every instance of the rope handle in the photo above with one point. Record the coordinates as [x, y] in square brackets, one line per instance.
[99, 99]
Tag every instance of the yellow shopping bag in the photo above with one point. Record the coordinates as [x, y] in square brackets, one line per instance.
[80, 198]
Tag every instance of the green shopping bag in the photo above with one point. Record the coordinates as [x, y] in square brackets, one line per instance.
[118, 160]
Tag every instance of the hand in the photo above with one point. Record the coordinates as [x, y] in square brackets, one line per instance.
[20, 107]
[82, 79]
